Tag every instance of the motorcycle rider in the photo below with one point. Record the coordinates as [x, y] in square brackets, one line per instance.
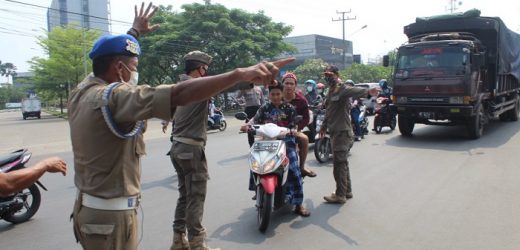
[386, 91]
[340, 128]
[213, 115]
[19, 179]
[311, 94]
[298, 101]
[282, 114]
[354, 113]
[320, 89]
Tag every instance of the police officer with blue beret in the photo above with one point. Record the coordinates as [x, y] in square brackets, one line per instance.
[107, 114]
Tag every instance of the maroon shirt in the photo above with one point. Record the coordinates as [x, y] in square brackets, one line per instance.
[302, 108]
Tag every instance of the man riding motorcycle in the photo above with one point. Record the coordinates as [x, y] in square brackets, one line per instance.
[281, 114]
[310, 91]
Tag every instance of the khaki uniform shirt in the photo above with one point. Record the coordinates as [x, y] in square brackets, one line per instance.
[338, 106]
[191, 121]
[105, 165]
[253, 96]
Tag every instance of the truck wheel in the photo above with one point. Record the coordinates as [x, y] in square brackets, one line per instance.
[406, 125]
[476, 124]
[514, 114]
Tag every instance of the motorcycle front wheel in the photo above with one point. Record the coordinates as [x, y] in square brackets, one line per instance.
[322, 150]
[223, 125]
[30, 198]
[264, 212]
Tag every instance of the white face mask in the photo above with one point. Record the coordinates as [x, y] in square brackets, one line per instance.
[309, 88]
[320, 91]
[134, 76]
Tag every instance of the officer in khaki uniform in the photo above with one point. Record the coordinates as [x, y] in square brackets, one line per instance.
[106, 117]
[188, 158]
[337, 121]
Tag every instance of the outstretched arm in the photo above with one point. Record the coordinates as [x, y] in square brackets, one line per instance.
[20, 179]
[202, 88]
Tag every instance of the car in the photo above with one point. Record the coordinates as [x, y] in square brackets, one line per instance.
[370, 103]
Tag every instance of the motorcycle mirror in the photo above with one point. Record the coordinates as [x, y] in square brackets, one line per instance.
[241, 116]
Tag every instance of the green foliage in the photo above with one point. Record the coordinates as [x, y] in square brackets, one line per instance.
[64, 66]
[233, 37]
[7, 69]
[10, 94]
[361, 73]
[310, 69]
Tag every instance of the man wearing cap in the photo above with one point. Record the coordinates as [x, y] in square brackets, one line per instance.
[337, 121]
[106, 114]
[189, 160]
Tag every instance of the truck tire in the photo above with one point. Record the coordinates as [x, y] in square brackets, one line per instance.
[476, 124]
[514, 114]
[406, 125]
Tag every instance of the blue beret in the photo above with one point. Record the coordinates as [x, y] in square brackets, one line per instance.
[125, 45]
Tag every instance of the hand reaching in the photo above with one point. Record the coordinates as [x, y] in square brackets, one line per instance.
[142, 19]
[55, 165]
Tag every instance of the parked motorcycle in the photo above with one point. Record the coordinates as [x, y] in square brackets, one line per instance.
[222, 125]
[384, 117]
[20, 206]
[269, 163]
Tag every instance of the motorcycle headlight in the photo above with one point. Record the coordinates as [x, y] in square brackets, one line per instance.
[269, 165]
[254, 164]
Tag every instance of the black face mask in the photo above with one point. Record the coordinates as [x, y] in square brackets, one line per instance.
[331, 80]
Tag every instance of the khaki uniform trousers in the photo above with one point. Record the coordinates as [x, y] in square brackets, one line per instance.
[105, 229]
[341, 141]
[192, 172]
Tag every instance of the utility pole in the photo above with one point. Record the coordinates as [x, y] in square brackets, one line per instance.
[343, 19]
[453, 5]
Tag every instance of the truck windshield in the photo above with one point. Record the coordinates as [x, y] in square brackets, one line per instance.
[431, 61]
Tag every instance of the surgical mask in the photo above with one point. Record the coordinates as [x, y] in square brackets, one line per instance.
[134, 76]
[320, 91]
[309, 88]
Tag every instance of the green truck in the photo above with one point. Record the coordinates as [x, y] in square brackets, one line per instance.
[460, 69]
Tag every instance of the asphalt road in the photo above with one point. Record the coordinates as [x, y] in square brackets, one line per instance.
[435, 190]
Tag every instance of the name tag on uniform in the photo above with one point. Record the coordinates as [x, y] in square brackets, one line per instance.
[335, 98]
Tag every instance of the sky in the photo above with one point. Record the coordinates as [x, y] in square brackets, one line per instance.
[384, 20]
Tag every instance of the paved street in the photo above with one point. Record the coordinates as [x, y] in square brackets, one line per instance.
[436, 190]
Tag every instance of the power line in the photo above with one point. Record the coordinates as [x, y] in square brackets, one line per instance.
[71, 12]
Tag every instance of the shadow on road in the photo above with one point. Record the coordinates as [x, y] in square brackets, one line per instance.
[228, 161]
[169, 182]
[320, 217]
[245, 229]
[454, 138]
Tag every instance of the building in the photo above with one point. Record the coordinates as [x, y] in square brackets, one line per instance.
[329, 49]
[91, 14]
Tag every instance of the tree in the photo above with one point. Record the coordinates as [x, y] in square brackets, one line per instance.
[7, 69]
[67, 49]
[311, 69]
[235, 38]
[10, 94]
[360, 73]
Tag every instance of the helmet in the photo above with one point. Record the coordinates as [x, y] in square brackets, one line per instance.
[383, 84]
[312, 83]
[349, 83]
[320, 85]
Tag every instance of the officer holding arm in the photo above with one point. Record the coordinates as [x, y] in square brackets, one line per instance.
[106, 117]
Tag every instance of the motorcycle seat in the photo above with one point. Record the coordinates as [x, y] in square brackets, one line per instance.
[11, 157]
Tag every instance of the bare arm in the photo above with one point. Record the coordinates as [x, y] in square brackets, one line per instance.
[20, 179]
[202, 88]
